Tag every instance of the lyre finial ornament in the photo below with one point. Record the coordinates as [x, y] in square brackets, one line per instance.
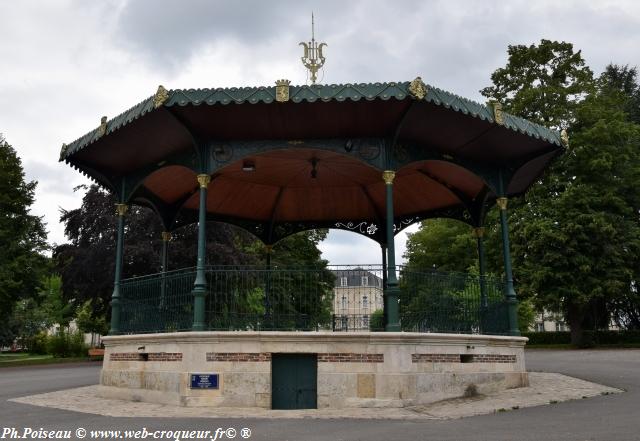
[312, 58]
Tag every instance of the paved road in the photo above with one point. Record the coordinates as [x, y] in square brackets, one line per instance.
[613, 417]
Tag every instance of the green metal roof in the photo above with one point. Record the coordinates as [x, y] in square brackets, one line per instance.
[297, 94]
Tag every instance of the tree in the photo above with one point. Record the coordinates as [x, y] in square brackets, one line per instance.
[34, 315]
[87, 263]
[55, 309]
[623, 80]
[542, 83]
[576, 236]
[89, 322]
[298, 292]
[448, 245]
[22, 236]
[443, 245]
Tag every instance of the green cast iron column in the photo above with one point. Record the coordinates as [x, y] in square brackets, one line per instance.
[267, 290]
[391, 291]
[482, 266]
[510, 293]
[383, 247]
[121, 210]
[166, 237]
[200, 285]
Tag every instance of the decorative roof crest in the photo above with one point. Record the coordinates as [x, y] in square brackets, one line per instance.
[564, 138]
[498, 114]
[160, 97]
[282, 90]
[418, 89]
[63, 150]
[102, 130]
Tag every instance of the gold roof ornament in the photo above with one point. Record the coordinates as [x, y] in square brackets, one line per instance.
[564, 138]
[418, 89]
[102, 130]
[388, 176]
[498, 114]
[121, 209]
[160, 97]
[312, 57]
[204, 180]
[63, 150]
[282, 90]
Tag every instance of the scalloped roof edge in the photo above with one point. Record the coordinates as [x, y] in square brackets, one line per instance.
[327, 92]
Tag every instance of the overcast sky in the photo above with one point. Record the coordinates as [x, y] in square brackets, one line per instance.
[64, 64]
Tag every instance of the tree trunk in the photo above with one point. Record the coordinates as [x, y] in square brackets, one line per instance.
[575, 317]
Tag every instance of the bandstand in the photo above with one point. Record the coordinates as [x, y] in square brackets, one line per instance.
[367, 158]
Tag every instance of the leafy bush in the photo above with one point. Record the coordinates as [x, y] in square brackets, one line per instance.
[66, 344]
[37, 344]
[376, 321]
[526, 315]
[58, 344]
[548, 338]
[613, 337]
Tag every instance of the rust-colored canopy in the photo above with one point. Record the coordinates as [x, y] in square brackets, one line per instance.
[316, 158]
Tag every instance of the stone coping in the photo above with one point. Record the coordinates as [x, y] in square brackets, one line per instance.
[317, 337]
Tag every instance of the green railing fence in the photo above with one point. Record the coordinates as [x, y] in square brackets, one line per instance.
[332, 298]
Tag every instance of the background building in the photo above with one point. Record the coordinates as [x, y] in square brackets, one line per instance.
[357, 295]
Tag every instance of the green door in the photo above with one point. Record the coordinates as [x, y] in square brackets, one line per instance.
[294, 379]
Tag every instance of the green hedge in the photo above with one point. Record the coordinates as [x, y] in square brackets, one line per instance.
[67, 344]
[548, 338]
[590, 338]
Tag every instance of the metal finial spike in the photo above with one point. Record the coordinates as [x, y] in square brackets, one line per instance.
[312, 57]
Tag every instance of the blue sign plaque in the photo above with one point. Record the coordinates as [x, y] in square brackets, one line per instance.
[204, 381]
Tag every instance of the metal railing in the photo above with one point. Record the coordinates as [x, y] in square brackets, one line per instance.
[332, 298]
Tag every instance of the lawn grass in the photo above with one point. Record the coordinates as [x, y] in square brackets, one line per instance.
[7, 356]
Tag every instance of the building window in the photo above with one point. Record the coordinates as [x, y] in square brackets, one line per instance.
[344, 323]
[365, 281]
[365, 321]
[365, 302]
[540, 327]
[344, 301]
[343, 281]
[560, 326]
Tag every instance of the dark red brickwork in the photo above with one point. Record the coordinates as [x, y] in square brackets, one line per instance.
[124, 356]
[494, 358]
[165, 356]
[238, 356]
[455, 358]
[435, 358]
[351, 358]
[151, 356]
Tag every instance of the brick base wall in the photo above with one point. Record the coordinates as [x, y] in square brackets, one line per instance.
[150, 356]
[238, 356]
[351, 358]
[457, 358]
